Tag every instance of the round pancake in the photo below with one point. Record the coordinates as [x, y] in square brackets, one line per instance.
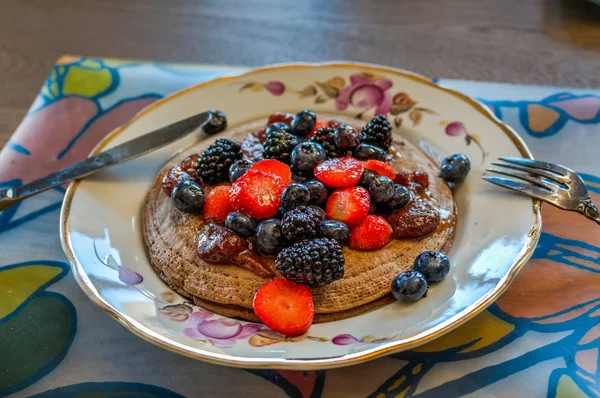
[169, 236]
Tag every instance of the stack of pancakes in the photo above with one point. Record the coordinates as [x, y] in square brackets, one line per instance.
[228, 290]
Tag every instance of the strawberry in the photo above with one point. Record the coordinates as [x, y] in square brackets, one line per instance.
[381, 168]
[371, 234]
[257, 193]
[318, 125]
[349, 205]
[218, 205]
[285, 307]
[339, 172]
[276, 167]
[281, 117]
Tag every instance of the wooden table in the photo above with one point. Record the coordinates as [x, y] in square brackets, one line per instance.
[550, 42]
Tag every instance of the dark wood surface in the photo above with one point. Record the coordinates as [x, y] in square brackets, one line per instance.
[550, 42]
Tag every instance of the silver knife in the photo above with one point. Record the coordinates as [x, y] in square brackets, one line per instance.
[210, 122]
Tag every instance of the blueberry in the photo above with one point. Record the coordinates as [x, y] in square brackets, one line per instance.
[372, 208]
[300, 178]
[368, 151]
[279, 213]
[318, 192]
[346, 137]
[455, 168]
[409, 286]
[433, 265]
[280, 127]
[268, 236]
[381, 189]
[366, 178]
[242, 223]
[335, 230]
[306, 155]
[217, 123]
[238, 168]
[188, 197]
[318, 210]
[294, 195]
[400, 198]
[303, 123]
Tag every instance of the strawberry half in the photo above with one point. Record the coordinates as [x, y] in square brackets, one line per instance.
[339, 172]
[280, 117]
[276, 167]
[285, 307]
[372, 233]
[348, 205]
[318, 125]
[257, 194]
[218, 205]
[381, 168]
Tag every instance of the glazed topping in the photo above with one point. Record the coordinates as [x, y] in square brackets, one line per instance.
[417, 219]
[173, 178]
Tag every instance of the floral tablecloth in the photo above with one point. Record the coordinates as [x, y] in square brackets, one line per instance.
[540, 339]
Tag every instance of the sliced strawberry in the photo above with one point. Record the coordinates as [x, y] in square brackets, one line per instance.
[318, 125]
[174, 177]
[349, 205]
[257, 193]
[371, 234]
[276, 167]
[381, 168]
[280, 117]
[218, 204]
[285, 307]
[339, 172]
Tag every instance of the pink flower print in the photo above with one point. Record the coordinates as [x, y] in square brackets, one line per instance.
[455, 129]
[344, 339]
[366, 93]
[275, 88]
[220, 332]
[129, 276]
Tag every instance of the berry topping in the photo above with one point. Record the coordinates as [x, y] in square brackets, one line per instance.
[381, 189]
[417, 181]
[285, 307]
[313, 262]
[400, 198]
[348, 205]
[276, 167]
[381, 168]
[368, 151]
[318, 192]
[335, 230]
[346, 137]
[409, 286]
[217, 123]
[257, 193]
[433, 265]
[241, 223]
[218, 204]
[215, 161]
[417, 219]
[269, 238]
[303, 123]
[188, 197]
[294, 195]
[280, 142]
[173, 177]
[306, 156]
[318, 211]
[339, 172]
[455, 168]
[377, 132]
[319, 124]
[371, 234]
[421, 178]
[366, 178]
[190, 165]
[280, 117]
[300, 178]
[238, 168]
[326, 137]
[300, 223]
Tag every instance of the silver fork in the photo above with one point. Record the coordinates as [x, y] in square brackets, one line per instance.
[555, 184]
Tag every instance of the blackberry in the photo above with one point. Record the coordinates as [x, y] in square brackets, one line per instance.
[279, 143]
[326, 137]
[377, 132]
[215, 161]
[313, 262]
[300, 223]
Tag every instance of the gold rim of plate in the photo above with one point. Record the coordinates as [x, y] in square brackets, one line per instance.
[304, 364]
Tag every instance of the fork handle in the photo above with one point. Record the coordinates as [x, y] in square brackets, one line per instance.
[588, 209]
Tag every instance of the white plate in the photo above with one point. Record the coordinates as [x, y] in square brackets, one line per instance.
[496, 234]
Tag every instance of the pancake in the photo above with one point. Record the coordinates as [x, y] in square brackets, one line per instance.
[227, 289]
